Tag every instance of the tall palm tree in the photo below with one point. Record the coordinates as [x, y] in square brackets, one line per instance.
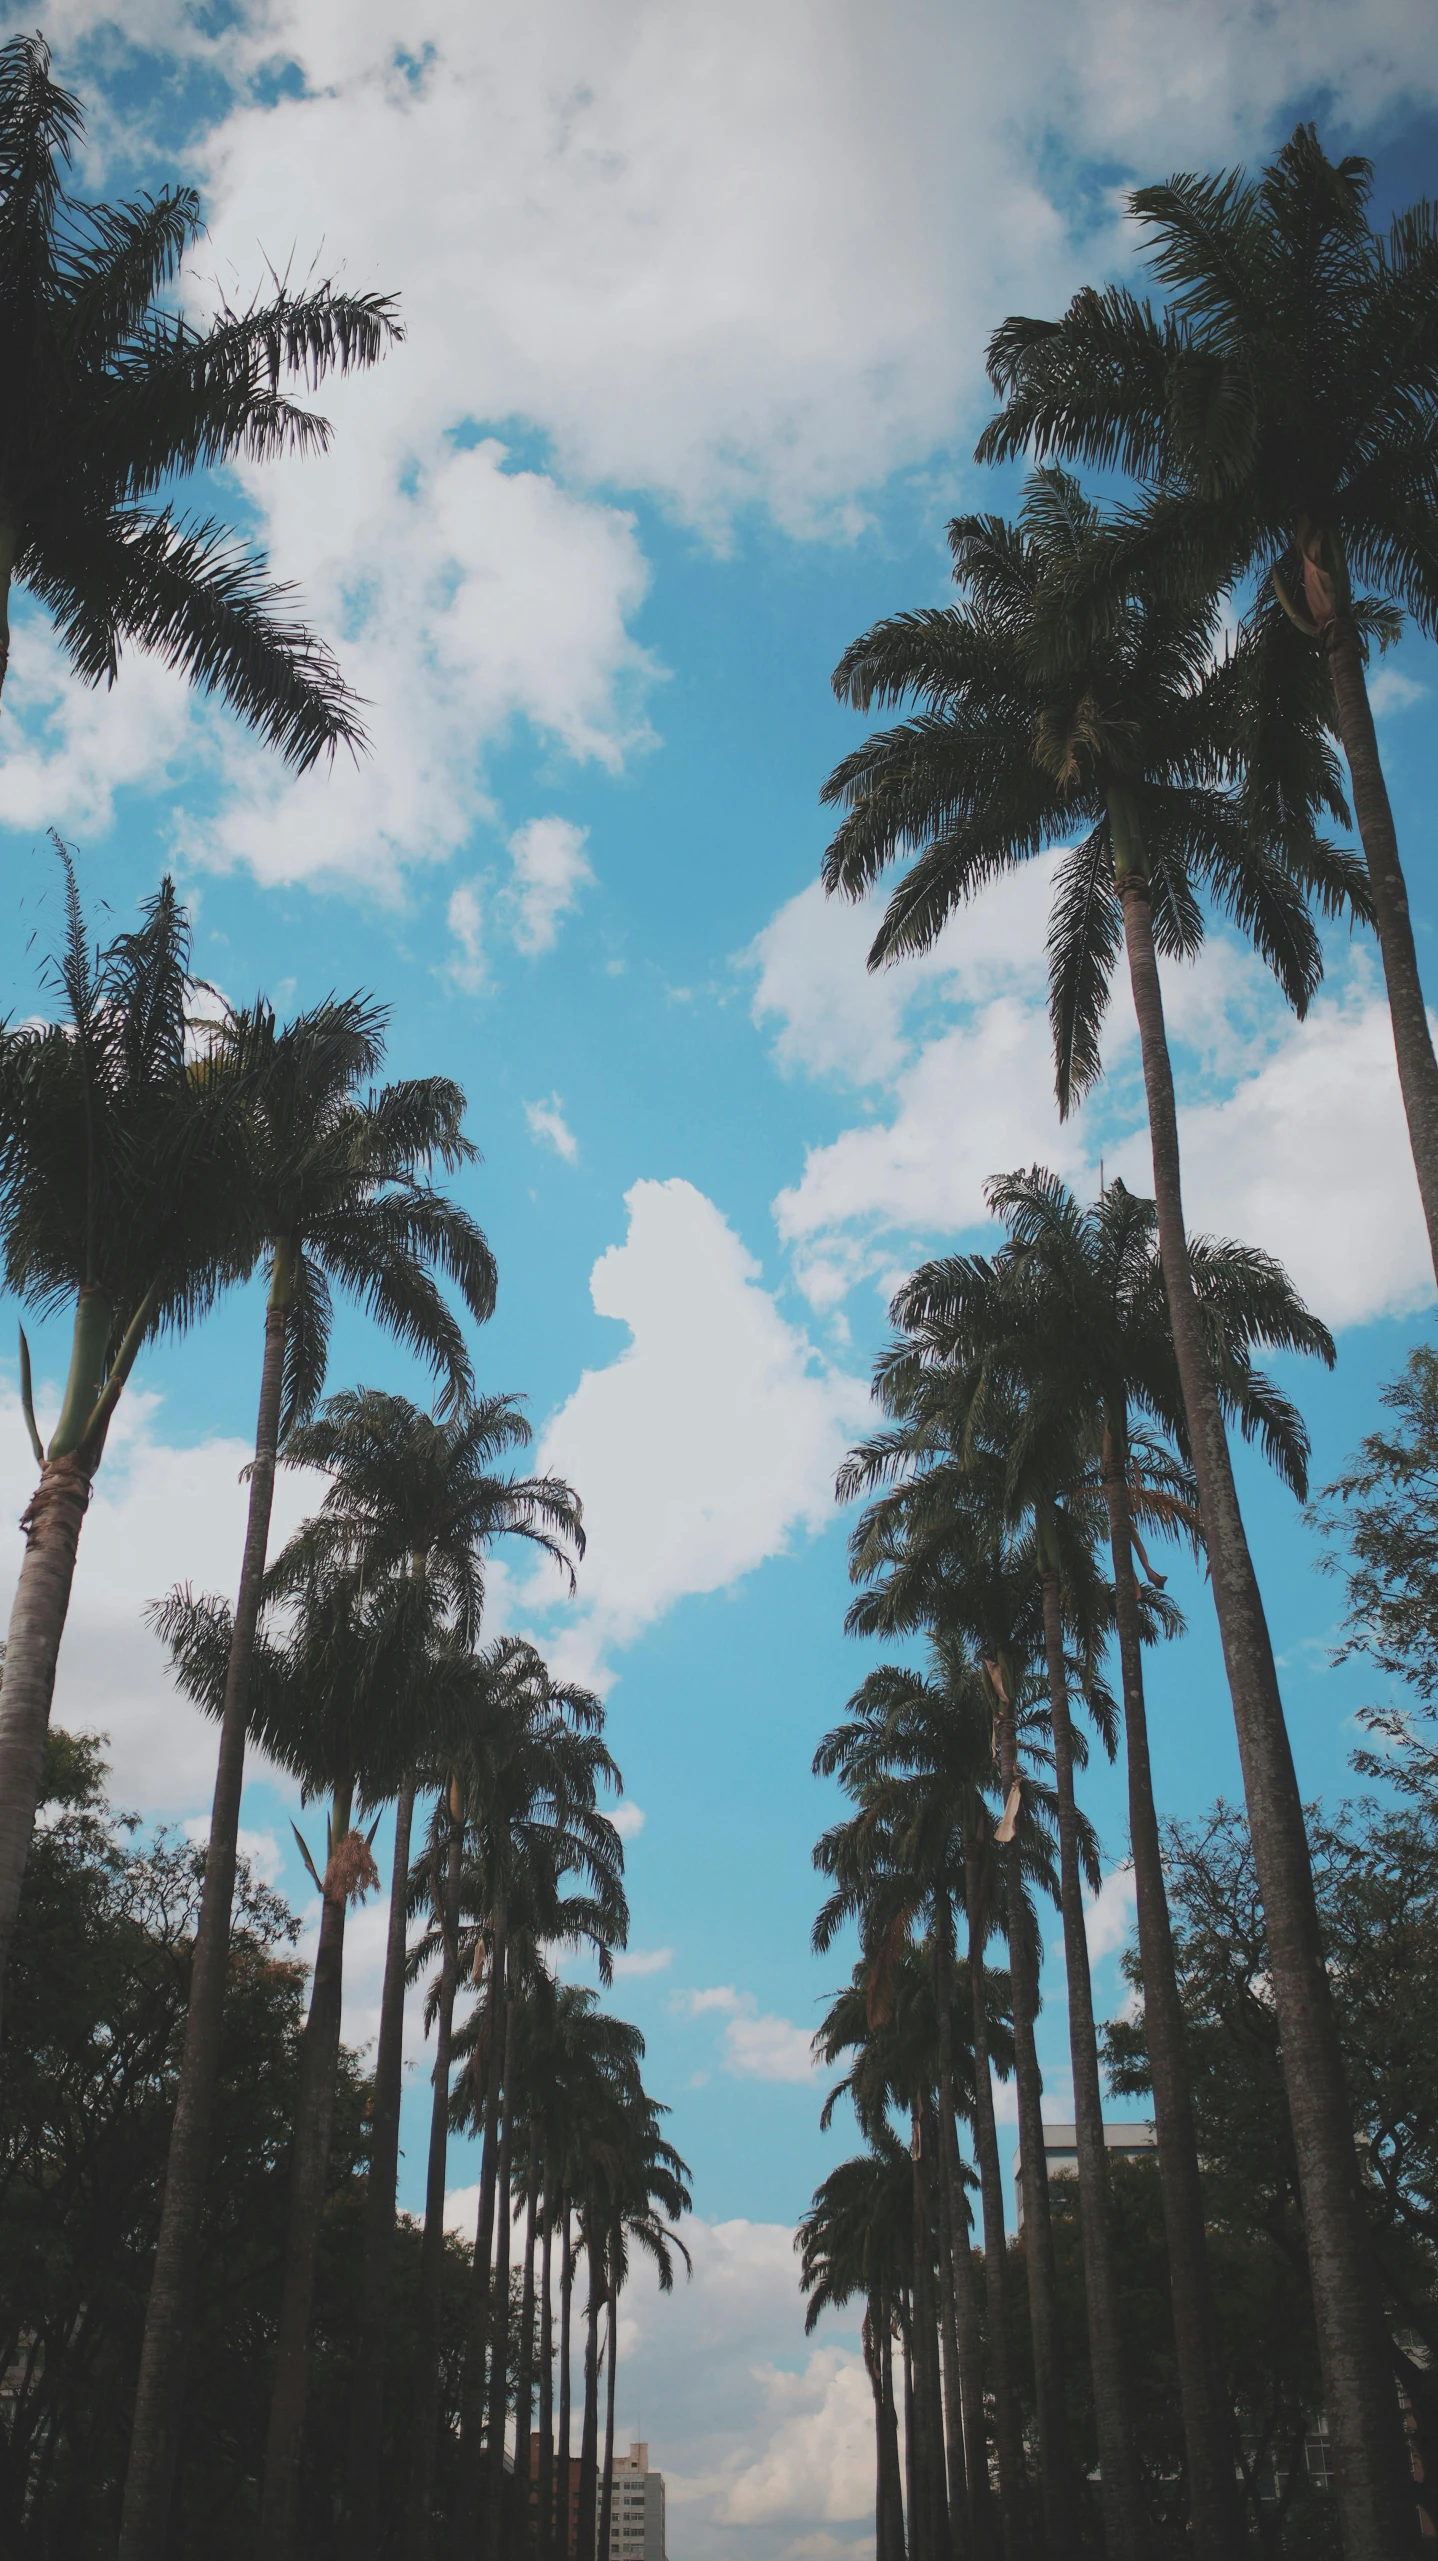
[420, 1498]
[1072, 1315]
[335, 1191]
[116, 1168]
[852, 2241]
[935, 1424]
[647, 2180]
[928, 1556]
[1282, 413]
[915, 1751]
[108, 395]
[1176, 774]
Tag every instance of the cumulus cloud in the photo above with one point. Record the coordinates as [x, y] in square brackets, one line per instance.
[644, 1960]
[549, 1128]
[1109, 1914]
[1293, 1133]
[717, 1399]
[466, 967]
[627, 1819]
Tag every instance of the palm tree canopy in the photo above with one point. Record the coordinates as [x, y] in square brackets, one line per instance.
[107, 394]
[117, 1164]
[1129, 739]
[1287, 390]
[409, 1486]
[337, 1187]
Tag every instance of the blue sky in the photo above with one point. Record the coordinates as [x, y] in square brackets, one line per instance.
[696, 310]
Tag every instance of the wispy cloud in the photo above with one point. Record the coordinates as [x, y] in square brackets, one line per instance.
[550, 870]
[644, 1960]
[549, 1128]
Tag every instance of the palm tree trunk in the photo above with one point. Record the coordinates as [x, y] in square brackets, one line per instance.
[891, 2473]
[589, 2437]
[1215, 2513]
[961, 2529]
[911, 2440]
[424, 2409]
[1412, 1040]
[169, 2317]
[565, 2541]
[1124, 2535]
[499, 2306]
[517, 2538]
[309, 2172]
[931, 2403]
[1374, 2487]
[465, 2520]
[606, 2505]
[968, 2325]
[37, 1622]
[1056, 2473]
[544, 2529]
[362, 2465]
[986, 2143]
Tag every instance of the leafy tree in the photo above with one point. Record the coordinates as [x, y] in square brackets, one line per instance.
[1281, 411]
[1177, 772]
[1381, 1520]
[115, 1172]
[334, 1188]
[108, 395]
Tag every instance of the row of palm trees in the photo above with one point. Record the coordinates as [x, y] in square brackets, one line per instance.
[1278, 419]
[149, 1160]
[1035, 1437]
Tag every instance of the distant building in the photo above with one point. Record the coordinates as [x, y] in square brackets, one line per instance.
[636, 2523]
[1131, 2142]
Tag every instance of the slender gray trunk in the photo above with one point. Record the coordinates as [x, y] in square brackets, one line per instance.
[169, 2316]
[499, 2304]
[544, 2531]
[961, 2528]
[564, 2536]
[986, 2145]
[1412, 1040]
[968, 2325]
[37, 1622]
[606, 2505]
[892, 2472]
[309, 2174]
[589, 2435]
[1056, 2474]
[1124, 2534]
[1373, 2483]
[424, 2406]
[363, 2462]
[1215, 2509]
[517, 2540]
[487, 2067]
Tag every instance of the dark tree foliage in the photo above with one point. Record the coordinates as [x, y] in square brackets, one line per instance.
[93, 2039]
[1376, 1872]
[1381, 1520]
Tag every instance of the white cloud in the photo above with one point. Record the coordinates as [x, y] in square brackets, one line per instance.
[1293, 1133]
[628, 1819]
[717, 1399]
[1109, 1914]
[644, 1960]
[550, 870]
[466, 968]
[819, 2459]
[757, 2045]
[548, 1127]
[1389, 690]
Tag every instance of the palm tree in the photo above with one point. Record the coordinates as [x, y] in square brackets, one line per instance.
[416, 1497]
[1072, 1315]
[108, 395]
[852, 2241]
[1175, 774]
[647, 2180]
[341, 1703]
[916, 1754]
[1282, 412]
[928, 1556]
[115, 1171]
[335, 1191]
[935, 1423]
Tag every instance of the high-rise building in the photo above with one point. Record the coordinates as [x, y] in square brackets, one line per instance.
[1130, 2142]
[636, 2523]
